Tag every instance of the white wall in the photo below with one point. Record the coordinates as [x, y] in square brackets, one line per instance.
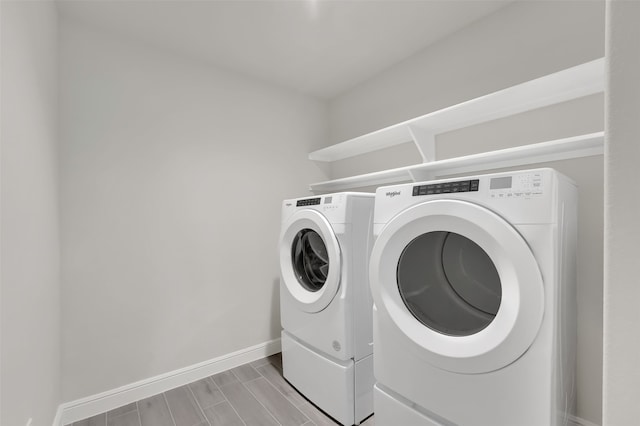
[622, 210]
[172, 174]
[520, 42]
[29, 278]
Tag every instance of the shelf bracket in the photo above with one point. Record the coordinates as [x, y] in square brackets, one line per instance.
[412, 175]
[421, 175]
[425, 142]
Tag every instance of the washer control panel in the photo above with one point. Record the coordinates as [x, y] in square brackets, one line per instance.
[447, 187]
[517, 186]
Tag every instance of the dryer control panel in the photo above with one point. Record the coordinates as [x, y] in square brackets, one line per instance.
[308, 202]
[446, 187]
[517, 185]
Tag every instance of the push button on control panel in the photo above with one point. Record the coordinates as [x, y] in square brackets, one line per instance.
[521, 185]
[447, 187]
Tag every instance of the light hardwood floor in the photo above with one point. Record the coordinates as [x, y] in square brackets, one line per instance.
[253, 394]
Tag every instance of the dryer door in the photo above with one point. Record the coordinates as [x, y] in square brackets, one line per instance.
[460, 283]
[310, 260]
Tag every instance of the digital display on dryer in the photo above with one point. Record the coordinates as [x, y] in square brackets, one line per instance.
[500, 183]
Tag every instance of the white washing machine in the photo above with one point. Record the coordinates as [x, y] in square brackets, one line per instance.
[326, 304]
[474, 283]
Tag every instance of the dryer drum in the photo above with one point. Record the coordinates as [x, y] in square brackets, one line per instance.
[310, 259]
[449, 283]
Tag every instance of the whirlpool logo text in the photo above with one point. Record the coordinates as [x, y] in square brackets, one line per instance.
[392, 194]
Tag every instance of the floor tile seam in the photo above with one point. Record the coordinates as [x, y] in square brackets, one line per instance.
[230, 404]
[226, 371]
[210, 378]
[235, 375]
[291, 400]
[212, 381]
[222, 393]
[204, 416]
[166, 401]
[324, 416]
[254, 370]
[107, 416]
[303, 401]
[306, 400]
[265, 361]
[138, 411]
[113, 418]
[279, 369]
[285, 396]
[225, 400]
[265, 375]
[260, 402]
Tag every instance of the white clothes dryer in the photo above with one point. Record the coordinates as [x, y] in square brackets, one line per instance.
[474, 283]
[326, 304]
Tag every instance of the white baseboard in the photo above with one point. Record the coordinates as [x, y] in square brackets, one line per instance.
[73, 411]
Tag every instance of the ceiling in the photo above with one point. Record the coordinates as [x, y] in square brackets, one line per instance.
[318, 47]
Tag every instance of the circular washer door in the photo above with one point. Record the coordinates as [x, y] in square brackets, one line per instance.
[460, 283]
[310, 260]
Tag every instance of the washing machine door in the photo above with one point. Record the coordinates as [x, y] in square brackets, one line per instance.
[460, 283]
[310, 260]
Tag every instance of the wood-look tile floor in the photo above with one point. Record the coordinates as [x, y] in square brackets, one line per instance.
[253, 394]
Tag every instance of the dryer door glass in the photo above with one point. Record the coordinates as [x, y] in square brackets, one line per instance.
[310, 259]
[449, 283]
